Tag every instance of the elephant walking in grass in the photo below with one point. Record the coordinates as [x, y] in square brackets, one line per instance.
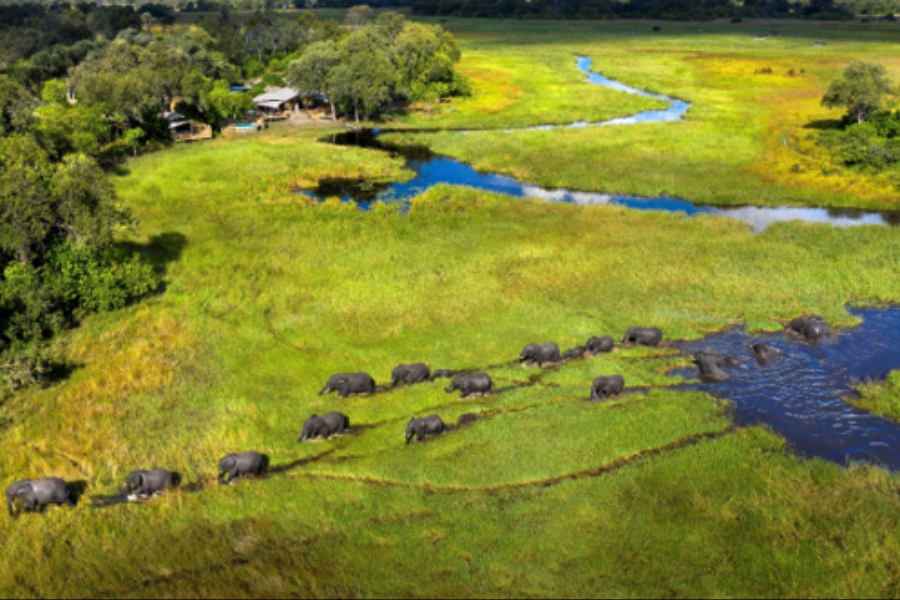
[540, 354]
[471, 384]
[410, 374]
[333, 423]
[245, 464]
[423, 428]
[607, 387]
[347, 384]
[36, 494]
[145, 484]
[643, 336]
[602, 345]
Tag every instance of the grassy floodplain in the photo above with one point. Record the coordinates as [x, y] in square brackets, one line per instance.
[654, 494]
[746, 139]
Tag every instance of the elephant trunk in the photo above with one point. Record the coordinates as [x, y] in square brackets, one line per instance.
[325, 390]
[9, 505]
[409, 437]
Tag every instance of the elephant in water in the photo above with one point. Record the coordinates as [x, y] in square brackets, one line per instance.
[410, 374]
[348, 384]
[243, 465]
[811, 328]
[710, 366]
[764, 352]
[471, 384]
[643, 336]
[574, 354]
[542, 354]
[422, 428]
[37, 493]
[607, 387]
[333, 423]
[144, 484]
[602, 345]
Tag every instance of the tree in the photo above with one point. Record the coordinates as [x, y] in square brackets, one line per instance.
[313, 72]
[67, 128]
[228, 104]
[358, 15]
[16, 107]
[26, 209]
[861, 90]
[364, 80]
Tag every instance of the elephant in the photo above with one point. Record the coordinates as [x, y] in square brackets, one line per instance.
[333, 423]
[643, 336]
[148, 483]
[764, 352]
[242, 465]
[441, 374]
[466, 419]
[348, 384]
[471, 384]
[607, 386]
[38, 493]
[541, 354]
[574, 354]
[710, 366]
[811, 328]
[422, 428]
[602, 345]
[410, 374]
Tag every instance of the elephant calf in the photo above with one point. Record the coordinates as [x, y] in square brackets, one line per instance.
[441, 374]
[710, 366]
[607, 387]
[764, 352]
[542, 354]
[643, 336]
[602, 345]
[811, 327]
[423, 428]
[333, 423]
[410, 374]
[348, 384]
[243, 465]
[471, 384]
[143, 484]
[35, 494]
[466, 419]
[574, 354]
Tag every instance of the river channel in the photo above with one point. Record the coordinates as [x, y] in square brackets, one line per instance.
[432, 169]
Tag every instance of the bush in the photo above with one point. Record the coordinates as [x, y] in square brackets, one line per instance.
[253, 68]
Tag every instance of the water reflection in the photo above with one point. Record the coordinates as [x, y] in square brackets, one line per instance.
[432, 169]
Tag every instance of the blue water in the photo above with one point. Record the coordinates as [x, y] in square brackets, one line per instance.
[432, 169]
[800, 394]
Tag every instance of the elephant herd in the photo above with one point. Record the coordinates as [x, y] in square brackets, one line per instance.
[36, 494]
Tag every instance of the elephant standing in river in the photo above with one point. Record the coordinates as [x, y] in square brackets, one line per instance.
[764, 352]
[422, 428]
[541, 354]
[710, 366]
[348, 384]
[602, 345]
[410, 374]
[471, 384]
[37, 493]
[811, 328]
[333, 423]
[243, 465]
[643, 336]
[607, 387]
[143, 484]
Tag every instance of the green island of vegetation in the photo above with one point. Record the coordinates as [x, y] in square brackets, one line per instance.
[196, 306]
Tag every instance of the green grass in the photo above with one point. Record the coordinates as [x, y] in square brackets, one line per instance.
[267, 294]
[747, 138]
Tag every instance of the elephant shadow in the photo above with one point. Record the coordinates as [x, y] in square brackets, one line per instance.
[287, 467]
[77, 490]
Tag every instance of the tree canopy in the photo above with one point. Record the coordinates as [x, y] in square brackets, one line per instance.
[861, 90]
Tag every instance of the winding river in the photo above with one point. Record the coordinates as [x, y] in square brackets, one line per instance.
[431, 169]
